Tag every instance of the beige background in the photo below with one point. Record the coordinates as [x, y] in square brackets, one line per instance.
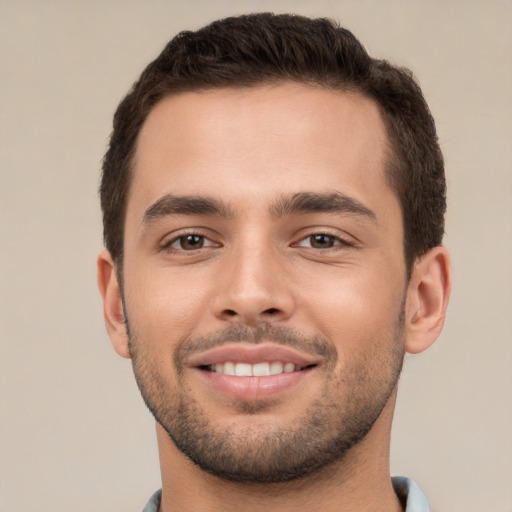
[74, 433]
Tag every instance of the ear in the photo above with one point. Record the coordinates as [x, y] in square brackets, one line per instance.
[112, 304]
[427, 299]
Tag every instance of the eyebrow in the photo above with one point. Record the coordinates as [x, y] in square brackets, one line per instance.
[298, 203]
[185, 205]
[314, 202]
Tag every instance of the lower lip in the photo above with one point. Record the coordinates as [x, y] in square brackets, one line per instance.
[254, 388]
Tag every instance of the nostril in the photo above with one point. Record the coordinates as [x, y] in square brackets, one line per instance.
[270, 312]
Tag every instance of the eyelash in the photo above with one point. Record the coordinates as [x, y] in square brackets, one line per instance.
[167, 246]
[337, 242]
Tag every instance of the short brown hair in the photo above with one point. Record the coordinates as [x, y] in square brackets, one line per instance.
[264, 48]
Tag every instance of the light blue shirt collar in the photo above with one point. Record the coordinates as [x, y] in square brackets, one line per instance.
[410, 494]
[406, 489]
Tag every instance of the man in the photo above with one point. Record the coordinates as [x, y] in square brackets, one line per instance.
[273, 204]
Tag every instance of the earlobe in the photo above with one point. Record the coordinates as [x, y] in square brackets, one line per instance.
[112, 304]
[427, 299]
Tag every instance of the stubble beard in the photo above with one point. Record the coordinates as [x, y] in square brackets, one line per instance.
[259, 453]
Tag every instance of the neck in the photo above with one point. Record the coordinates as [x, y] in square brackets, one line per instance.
[361, 481]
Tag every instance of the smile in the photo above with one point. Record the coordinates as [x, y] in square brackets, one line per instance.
[251, 372]
[263, 369]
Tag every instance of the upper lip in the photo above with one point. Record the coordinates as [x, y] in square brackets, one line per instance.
[241, 352]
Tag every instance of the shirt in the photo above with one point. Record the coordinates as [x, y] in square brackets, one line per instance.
[406, 490]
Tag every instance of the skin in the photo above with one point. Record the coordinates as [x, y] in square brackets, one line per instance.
[259, 267]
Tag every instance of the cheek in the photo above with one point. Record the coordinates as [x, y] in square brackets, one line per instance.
[164, 304]
[355, 309]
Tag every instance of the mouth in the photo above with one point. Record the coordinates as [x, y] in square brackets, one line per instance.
[263, 369]
[254, 372]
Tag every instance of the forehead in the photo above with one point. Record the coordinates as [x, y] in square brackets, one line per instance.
[259, 141]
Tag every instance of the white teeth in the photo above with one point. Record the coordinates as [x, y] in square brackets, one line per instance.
[254, 370]
[289, 368]
[243, 370]
[261, 369]
[276, 367]
[229, 369]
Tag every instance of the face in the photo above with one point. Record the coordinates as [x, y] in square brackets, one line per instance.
[264, 277]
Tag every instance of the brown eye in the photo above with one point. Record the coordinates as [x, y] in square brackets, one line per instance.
[190, 242]
[321, 241]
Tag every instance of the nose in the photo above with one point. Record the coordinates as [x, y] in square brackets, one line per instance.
[253, 287]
